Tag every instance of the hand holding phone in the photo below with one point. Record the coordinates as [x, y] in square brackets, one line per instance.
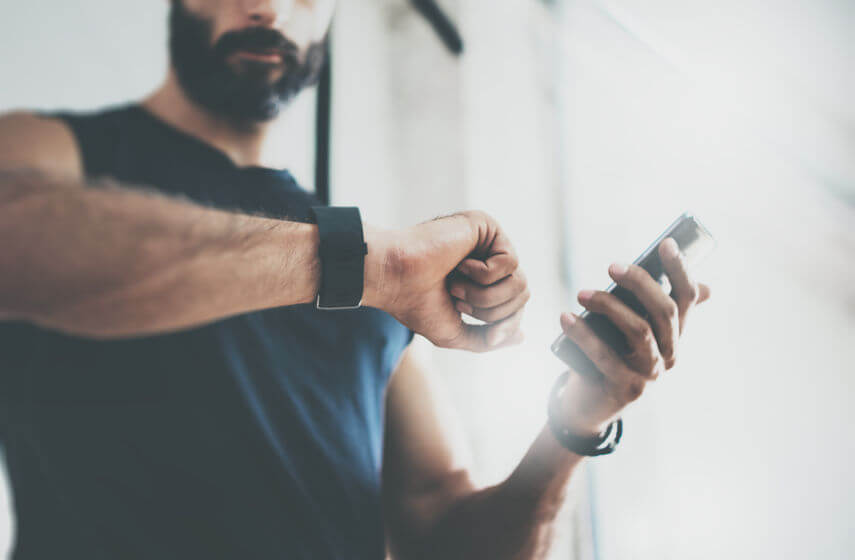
[695, 243]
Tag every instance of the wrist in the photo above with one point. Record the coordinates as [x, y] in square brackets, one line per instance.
[575, 418]
[381, 282]
[580, 428]
[292, 261]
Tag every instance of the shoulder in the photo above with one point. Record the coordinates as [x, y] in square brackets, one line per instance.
[45, 144]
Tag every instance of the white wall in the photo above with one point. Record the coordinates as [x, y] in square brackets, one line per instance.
[741, 111]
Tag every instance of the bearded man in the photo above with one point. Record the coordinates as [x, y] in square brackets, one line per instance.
[179, 379]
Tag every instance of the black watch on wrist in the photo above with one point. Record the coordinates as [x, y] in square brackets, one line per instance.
[601, 444]
[342, 254]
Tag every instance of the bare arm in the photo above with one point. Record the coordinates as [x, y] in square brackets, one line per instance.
[116, 261]
[434, 510]
[110, 261]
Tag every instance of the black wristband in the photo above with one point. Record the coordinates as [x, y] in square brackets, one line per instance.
[342, 254]
[603, 444]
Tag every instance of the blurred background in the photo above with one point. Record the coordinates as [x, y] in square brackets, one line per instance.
[586, 127]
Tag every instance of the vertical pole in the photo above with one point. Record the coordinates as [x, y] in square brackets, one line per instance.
[323, 116]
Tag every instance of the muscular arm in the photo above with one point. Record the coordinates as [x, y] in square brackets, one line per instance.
[112, 260]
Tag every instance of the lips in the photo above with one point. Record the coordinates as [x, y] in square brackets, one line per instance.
[271, 56]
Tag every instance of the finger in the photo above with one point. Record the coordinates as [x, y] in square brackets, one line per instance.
[497, 313]
[622, 382]
[490, 271]
[497, 261]
[683, 290]
[485, 338]
[493, 295]
[704, 292]
[662, 310]
[644, 354]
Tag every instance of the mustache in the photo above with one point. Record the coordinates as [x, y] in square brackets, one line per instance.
[255, 39]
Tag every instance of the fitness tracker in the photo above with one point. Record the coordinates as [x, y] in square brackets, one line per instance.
[602, 444]
[342, 254]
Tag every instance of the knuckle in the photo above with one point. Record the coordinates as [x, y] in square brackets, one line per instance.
[649, 374]
[655, 369]
[669, 311]
[672, 308]
[668, 350]
[693, 292]
[645, 364]
[488, 275]
[642, 333]
[633, 389]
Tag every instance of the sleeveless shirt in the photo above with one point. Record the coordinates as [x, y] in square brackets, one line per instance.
[258, 436]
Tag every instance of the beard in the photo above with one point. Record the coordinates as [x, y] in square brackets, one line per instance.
[247, 94]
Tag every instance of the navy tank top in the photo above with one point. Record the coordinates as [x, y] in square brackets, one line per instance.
[259, 436]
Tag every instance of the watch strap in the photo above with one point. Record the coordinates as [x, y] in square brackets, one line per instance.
[342, 253]
[602, 444]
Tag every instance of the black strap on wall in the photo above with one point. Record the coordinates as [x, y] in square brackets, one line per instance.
[440, 22]
[322, 131]
[450, 37]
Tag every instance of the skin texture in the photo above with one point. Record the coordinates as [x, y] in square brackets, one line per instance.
[145, 263]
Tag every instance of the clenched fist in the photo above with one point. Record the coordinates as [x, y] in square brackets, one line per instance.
[429, 275]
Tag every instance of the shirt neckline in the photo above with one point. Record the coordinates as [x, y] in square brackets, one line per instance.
[201, 144]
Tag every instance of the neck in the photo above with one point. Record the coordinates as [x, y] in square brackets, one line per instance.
[242, 144]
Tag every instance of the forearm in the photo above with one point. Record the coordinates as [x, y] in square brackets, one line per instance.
[113, 262]
[512, 520]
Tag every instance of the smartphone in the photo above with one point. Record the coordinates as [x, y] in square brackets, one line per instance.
[695, 243]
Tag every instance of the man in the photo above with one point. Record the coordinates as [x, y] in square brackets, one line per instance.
[170, 391]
